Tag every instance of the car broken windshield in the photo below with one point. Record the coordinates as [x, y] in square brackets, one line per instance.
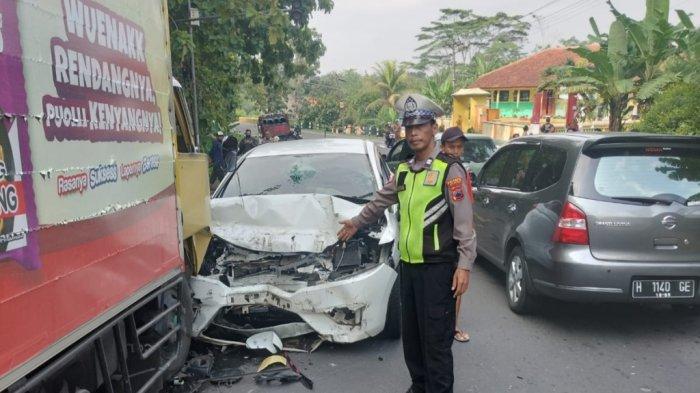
[342, 175]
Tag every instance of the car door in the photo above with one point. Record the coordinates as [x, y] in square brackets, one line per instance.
[512, 200]
[485, 198]
[506, 202]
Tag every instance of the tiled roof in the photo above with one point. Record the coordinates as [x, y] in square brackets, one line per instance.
[525, 72]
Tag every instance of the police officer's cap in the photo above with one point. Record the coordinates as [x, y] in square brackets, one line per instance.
[417, 109]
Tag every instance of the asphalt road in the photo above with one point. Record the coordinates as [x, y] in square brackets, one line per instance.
[564, 348]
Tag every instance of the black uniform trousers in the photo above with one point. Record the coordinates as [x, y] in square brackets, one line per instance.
[428, 325]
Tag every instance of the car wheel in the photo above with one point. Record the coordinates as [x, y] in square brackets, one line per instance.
[521, 298]
[392, 325]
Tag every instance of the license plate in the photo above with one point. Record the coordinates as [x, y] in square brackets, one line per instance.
[663, 289]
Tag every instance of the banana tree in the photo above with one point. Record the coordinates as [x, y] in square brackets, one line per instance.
[654, 44]
[688, 41]
[608, 72]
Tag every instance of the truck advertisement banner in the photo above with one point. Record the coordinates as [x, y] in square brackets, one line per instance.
[86, 167]
[17, 209]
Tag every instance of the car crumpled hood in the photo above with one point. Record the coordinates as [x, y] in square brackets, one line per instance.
[283, 223]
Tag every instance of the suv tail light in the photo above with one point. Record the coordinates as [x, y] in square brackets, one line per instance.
[571, 227]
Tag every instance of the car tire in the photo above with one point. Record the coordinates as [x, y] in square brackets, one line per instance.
[519, 293]
[392, 325]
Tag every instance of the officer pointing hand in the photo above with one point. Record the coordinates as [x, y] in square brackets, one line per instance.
[437, 244]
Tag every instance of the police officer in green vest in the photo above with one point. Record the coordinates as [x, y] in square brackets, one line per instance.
[437, 244]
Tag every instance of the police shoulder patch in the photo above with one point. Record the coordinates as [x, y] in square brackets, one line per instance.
[454, 183]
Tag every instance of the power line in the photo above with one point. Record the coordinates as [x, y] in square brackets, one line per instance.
[542, 7]
[563, 11]
[575, 11]
[569, 17]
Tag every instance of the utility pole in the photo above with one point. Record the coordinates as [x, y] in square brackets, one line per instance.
[194, 19]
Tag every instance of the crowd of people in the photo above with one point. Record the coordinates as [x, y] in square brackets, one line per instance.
[224, 153]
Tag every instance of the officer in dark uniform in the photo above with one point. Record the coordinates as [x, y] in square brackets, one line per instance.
[437, 244]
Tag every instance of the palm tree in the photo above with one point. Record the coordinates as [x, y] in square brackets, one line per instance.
[439, 88]
[390, 80]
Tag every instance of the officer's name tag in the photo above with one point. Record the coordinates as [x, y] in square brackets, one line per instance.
[431, 178]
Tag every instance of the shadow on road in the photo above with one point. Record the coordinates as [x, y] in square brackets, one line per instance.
[605, 319]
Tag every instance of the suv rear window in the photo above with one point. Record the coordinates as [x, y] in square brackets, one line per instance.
[647, 172]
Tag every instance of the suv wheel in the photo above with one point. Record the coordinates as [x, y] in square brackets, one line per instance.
[521, 298]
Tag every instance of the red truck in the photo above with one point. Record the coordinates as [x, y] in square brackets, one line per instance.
[103, 198]
[274, 125]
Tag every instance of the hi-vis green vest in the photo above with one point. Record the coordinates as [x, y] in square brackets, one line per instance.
[425, 230]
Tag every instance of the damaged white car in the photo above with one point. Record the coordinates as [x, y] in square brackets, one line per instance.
[275, 262]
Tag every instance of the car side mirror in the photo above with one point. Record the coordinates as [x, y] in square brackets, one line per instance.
[473, 179]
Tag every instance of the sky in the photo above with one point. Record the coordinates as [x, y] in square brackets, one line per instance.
[360, 33]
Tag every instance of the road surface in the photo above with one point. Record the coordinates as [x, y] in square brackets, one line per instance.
[564, 348]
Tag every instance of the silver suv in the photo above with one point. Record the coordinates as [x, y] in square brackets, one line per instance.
[606, 217]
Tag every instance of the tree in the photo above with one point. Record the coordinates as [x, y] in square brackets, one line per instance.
[439, 88]
[390, 78]
[494, 56]
[572, 42]
[675, 111]
[605, 73]
[688, 41]
[459, 34]
[630, 65]
[241, 40]
[654, 39]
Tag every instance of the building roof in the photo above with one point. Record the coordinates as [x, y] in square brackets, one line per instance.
[471, 92]
[525, 72]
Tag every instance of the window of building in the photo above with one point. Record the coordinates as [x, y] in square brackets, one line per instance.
[524, 95]
[494, 95]
[503, 96]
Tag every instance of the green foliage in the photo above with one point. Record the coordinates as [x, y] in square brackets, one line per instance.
[632, 63]
[439, 88]
[458, 35]
[390, 78]
[675, 111]
[243, 42]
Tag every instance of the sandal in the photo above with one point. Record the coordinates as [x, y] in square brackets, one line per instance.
[462, 336]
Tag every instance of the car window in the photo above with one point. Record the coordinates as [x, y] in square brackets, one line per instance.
[515, 172]
[478, 150]
[347, 175]
[648, 172]
[546, 168]
[492, 172]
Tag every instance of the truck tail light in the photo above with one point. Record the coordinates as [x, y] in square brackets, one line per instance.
[571, 227]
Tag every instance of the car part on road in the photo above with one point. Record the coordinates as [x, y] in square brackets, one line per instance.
[264, 340]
